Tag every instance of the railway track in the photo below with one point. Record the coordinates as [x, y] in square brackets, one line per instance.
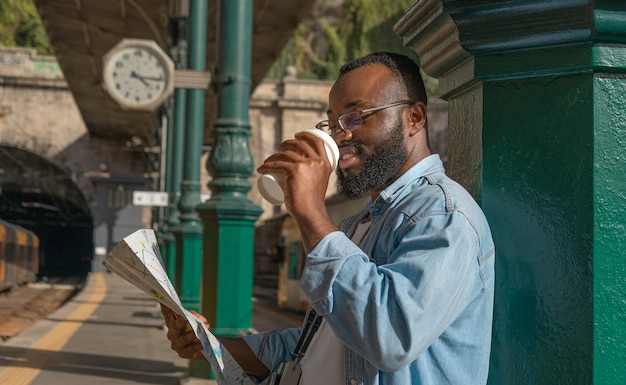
[24, 305]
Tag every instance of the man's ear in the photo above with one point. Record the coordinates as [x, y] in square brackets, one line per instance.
[417, 118]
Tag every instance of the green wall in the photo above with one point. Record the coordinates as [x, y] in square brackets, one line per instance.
[537, 132]
[537, 193]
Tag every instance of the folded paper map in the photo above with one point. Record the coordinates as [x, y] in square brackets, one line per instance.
[137, 259]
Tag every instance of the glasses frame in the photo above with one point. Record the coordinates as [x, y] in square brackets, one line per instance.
[325, 124]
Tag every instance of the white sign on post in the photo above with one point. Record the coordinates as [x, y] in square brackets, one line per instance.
[150, 198]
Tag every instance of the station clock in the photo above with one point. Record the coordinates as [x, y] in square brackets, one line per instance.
[138, 74]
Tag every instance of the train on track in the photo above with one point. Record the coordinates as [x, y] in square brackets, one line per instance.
[19, 255]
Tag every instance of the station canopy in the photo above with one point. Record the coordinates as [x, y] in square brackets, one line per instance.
[82, 31]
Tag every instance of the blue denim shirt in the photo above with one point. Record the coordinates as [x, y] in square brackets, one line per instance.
[414, 303]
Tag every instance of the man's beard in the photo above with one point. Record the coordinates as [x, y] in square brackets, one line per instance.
[378, 169]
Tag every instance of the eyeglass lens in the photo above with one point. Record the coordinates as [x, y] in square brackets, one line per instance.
[350, 121]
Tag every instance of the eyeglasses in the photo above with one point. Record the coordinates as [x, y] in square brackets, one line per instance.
[352, 121]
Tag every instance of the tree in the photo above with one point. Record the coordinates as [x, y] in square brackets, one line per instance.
[20, 26]
[336, 31]
[317, 47]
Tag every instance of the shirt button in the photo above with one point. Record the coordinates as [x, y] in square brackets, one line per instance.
[353, 382]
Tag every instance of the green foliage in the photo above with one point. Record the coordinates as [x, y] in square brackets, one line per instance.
[368, 15]
[20, 26]
[335, 32]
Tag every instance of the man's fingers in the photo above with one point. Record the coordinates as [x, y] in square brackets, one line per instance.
[201, 318]
[182, 338]
[186, 345]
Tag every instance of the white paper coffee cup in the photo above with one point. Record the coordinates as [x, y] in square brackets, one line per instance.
[270, 184]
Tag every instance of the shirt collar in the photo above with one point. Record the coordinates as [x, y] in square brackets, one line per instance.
[426, 166]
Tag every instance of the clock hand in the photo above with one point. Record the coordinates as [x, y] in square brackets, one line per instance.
[144, 78]
[133, 74]
[160, 78]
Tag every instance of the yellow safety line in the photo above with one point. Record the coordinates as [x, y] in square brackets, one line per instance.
[37, 356]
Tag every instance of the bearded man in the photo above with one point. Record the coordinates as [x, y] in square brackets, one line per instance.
[402, 292]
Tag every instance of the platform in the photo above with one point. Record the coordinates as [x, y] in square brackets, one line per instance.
[109, 333]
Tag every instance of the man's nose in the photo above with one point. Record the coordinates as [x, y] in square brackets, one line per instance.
[342, 135]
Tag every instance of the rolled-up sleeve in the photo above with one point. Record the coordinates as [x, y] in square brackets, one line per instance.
[272, 347]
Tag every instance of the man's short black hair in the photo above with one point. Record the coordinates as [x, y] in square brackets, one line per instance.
[404, 67]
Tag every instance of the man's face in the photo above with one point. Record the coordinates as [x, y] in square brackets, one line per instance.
[378, 168]
[371, 156]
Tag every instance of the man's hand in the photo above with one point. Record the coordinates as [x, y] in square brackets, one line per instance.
[181, 335]
[304, 165]
[187, 345]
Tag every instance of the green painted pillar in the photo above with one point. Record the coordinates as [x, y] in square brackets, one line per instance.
[229, 216]
[537, 132]
[609, 195]
[166, 236]
[175, 261]
[177, 146]
[189, 236]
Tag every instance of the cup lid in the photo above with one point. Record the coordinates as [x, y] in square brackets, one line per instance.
[270, 189]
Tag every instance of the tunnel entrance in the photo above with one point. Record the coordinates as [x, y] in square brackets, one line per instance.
[40, 196]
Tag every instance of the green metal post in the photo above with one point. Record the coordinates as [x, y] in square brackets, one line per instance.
[177, 145]
[175, 261]
[158, 213]
[166, 236]
[229, 216]
[167, 173]
[189, 238]
[537, 132]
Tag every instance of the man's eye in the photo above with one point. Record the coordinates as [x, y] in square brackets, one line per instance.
[353, 122]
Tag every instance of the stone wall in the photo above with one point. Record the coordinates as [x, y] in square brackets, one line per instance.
[38, 114]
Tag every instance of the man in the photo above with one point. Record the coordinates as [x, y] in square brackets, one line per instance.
[405, 288]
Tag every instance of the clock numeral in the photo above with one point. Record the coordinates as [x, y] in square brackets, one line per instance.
[119, 64]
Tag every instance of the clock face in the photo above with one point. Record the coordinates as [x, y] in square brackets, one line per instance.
[137, 77]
